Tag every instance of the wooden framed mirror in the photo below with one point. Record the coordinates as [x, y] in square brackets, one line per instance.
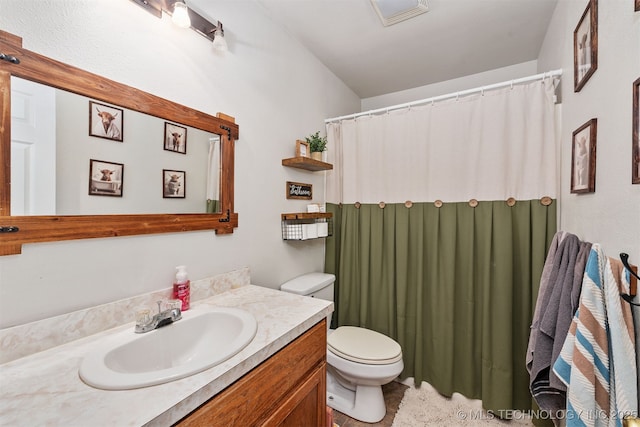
[16, 230]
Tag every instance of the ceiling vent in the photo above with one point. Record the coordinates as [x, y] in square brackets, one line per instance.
[394, 11]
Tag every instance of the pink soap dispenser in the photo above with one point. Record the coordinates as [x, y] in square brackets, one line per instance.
[182, 287]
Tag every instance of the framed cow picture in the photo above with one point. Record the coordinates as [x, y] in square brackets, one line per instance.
[175, 138]
[174, 184]
[105, 121]
[105, 178]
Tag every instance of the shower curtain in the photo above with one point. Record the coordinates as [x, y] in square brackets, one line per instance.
[440, 234]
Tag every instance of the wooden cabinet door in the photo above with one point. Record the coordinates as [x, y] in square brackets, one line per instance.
[305, 407]
[288, 389]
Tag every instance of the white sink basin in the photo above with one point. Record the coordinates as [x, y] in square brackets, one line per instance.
[203, 338]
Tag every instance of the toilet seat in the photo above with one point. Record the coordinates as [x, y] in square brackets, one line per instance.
[363, 346]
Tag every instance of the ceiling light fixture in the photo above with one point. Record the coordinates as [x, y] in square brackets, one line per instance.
[184, 17]
[180, 15]
[393, 11]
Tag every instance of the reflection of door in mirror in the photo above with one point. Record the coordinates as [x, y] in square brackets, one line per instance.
[33, 147]
[69, 141]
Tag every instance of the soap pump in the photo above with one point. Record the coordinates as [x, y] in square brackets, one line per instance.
[182, 287]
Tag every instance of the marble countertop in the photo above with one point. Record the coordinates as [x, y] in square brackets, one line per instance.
[44, 388]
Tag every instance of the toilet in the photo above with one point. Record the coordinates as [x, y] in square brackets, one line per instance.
[359, 361]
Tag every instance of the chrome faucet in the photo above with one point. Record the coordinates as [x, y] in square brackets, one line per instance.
[145, 323]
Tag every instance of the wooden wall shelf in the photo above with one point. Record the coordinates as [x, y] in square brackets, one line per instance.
[307, 163]
[306, 215]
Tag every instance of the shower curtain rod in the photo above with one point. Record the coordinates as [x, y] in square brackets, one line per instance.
[542, 76]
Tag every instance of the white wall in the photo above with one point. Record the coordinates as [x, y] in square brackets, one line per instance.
[611, 215]
[275, 89]
[450, 86]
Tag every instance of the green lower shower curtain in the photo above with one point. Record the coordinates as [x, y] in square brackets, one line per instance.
[213, 206]
[456, 286]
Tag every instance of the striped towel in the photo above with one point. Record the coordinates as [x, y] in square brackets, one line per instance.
[597, 361]
[622, 355]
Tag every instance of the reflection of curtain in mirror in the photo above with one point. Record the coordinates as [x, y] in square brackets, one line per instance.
[455, 285]
[213, 176]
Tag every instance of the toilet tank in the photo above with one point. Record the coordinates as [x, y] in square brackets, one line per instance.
[317, 285]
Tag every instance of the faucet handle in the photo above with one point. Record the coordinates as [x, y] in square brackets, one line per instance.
[174, 303]
[143, 317]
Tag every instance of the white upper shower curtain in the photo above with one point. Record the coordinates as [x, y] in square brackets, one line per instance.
[492, 145]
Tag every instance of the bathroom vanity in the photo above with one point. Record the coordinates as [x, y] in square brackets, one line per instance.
[289, 389]
[278, 379]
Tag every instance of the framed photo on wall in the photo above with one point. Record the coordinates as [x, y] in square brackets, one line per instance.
[583, 158]
[174, 184]
[175, 138]
[637, 6]
[105, 178]
[105, 121]
[635, 145]
[585, 46]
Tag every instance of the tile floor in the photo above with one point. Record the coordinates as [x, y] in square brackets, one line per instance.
[393, 393]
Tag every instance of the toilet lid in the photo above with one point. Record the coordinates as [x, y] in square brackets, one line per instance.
[363, 346]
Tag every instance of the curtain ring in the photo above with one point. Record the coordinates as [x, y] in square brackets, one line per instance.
[511, 202]
[473, 203]
[408, 204]
[438, 203]
[382, 205]
[546, 201]
[357, 205]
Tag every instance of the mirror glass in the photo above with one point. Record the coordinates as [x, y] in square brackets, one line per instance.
[73, 155]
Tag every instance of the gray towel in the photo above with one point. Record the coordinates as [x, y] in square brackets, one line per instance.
[553, 306]
[542, 290]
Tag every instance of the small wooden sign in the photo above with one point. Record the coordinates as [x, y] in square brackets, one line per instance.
[302, 149]
[298, 190]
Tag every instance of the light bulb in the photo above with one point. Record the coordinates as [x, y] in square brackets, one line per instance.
[219, 43]
[181, 15]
